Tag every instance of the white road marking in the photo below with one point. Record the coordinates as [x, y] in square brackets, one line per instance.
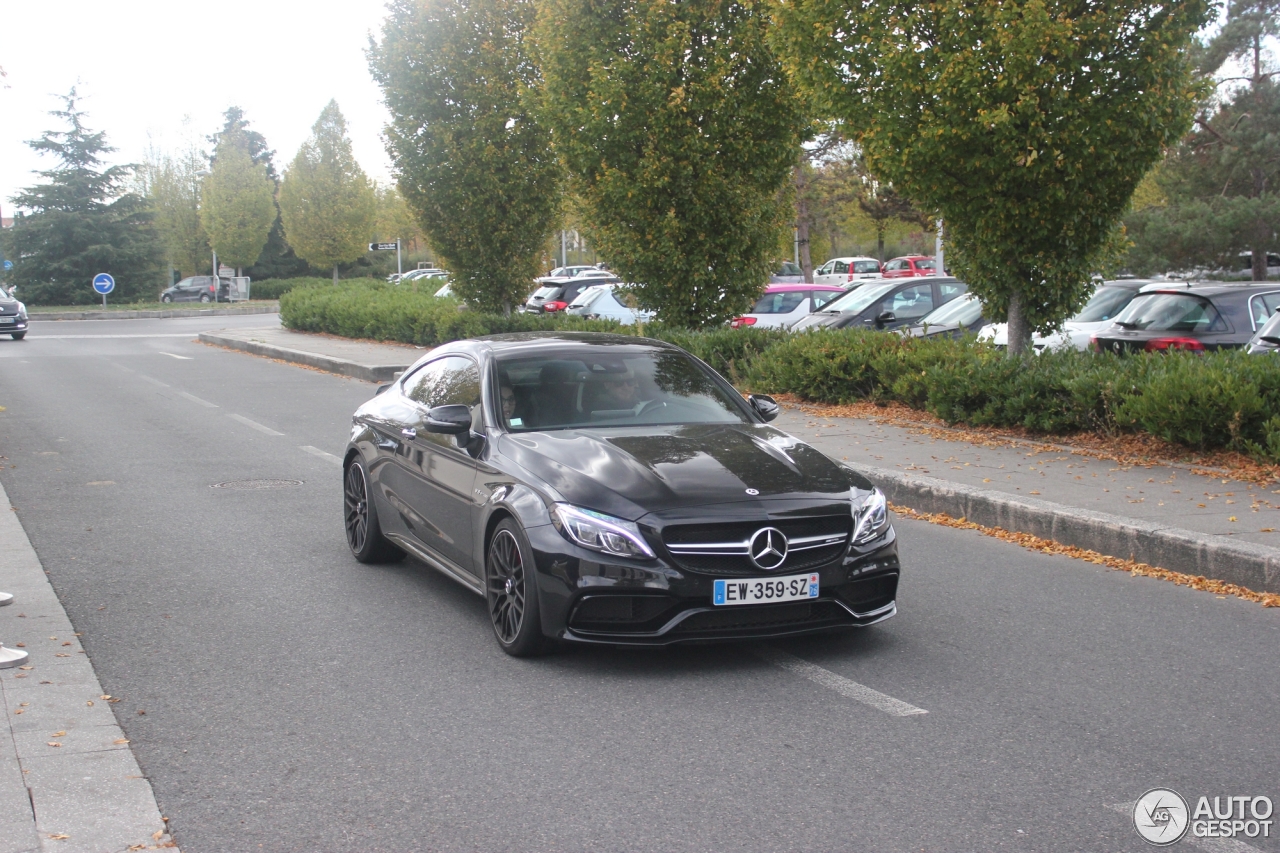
[315, 451]
[86, 337]
[838, 683]
[146, 378]
[193, 398]
[254, 425]
[172, 355]
[1214, 845]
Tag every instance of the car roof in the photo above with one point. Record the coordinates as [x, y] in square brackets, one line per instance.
[1216, 288]
[849, 258]
[532, 342]
[791, 287]
[912, 258]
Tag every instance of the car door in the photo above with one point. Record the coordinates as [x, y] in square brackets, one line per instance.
[439, 472]
[822, 275]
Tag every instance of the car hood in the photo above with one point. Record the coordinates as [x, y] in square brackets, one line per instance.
[817, 320]
[631, 472]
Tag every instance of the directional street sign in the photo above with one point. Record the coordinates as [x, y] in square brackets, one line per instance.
[104, 283]
[382, 247]
[8, 265]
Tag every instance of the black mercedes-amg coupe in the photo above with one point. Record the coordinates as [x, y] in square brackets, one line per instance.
[610, 489]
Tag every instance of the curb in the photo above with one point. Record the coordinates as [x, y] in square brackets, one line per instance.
[1256, 567]
[367, 372]
[265, 308]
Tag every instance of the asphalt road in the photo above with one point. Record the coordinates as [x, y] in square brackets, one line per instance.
[297, 701]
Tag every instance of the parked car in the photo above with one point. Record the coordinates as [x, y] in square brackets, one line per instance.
[957, 318]
[784, 304]
[1267, 338]
[846, 270]
[566, 272]
[13, 317]
[601, 302]
[1098, 313]
[1198, 318]
[909, 266]
[414, 275]
[556, 294]
[611, 489]
[884, 304]
[197, 288]
[787, 273]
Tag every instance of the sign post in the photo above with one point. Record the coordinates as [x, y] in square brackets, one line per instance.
[387, 247]
[103, 283]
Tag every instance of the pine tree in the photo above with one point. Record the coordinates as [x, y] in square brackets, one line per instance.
[328, 204]
[81, 222]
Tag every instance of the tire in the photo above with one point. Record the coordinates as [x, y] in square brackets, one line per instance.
[166, 298]
[204, 297]
[511, 591]
[17, 336]
[360, 519]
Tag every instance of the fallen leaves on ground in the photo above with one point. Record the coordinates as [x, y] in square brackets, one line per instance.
[1047, 546]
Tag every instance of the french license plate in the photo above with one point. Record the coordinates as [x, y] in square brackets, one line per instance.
[8, 319]
[765, 590]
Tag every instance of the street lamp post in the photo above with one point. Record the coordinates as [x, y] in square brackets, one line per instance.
[204, 173]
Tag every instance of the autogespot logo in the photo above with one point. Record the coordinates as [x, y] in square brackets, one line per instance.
[1160, 816]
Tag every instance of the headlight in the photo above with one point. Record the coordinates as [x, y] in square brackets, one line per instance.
[870, 516]
[599, 532]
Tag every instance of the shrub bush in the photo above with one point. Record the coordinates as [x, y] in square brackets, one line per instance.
[274, 288]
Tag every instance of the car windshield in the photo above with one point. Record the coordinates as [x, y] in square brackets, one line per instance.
[856, 301]
[587, 296]
[963, 311]
[1106, 303]
[1170, 312]
[1271, 328]
[547, 291]
[612, 387]
[779, 303]
[866, 266]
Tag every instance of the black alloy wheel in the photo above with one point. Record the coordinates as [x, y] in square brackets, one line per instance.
[360, 517]
[511, 590]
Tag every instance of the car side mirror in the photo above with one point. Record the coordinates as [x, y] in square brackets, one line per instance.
[764, 405]
[381, 389]
[451, 420]
[885, 319]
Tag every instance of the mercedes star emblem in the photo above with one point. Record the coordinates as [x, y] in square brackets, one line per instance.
[768, 548]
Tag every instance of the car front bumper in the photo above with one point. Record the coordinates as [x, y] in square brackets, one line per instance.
[586, 598]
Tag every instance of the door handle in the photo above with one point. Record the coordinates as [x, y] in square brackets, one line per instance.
[409, 433]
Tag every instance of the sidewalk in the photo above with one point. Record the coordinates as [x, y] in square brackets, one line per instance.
[1164, 515]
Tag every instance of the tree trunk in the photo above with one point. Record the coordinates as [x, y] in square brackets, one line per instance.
[880, 245]
[1259, 264]
[806, 260]
[335, 274]
[1019, 327]
[506, 308]
[801, 181]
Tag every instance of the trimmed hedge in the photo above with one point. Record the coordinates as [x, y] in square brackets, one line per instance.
[274, 288]
[1219, 400]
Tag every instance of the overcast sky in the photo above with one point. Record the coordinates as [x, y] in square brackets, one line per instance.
[145, 66]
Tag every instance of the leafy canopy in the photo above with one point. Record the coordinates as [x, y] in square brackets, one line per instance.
[239, 203]
[472, 160]
[1025, 123]
[680, 131]
[81, 222]
[326, 200]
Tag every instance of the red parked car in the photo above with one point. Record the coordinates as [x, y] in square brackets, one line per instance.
[909, 266]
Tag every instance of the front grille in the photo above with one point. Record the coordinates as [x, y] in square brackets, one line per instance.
[763, 616]
[9, 310]
[621, 613]
[683, 540]
[869, 594]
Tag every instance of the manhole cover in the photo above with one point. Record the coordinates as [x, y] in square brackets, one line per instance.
[256, 485]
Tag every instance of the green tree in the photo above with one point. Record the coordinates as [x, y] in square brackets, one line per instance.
[81, 222]
[239, 203]
[328, 204]
[172, 185]
[680, 131]
[472, 160]
[1220, 183]
[395, 220]
[1026, 124]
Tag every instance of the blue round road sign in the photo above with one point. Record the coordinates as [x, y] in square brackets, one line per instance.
[104, 283]
[8, 265]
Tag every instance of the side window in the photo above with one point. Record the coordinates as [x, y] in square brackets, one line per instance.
[912, 302]
[453, 380]
[822, 297]
[951, 289]
[840, 267]
[893, 265]
[825, 269]
[1263, 306]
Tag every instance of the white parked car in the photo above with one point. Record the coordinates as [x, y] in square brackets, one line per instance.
[784, 304]
[601, 303]
[1097, 314]
[844, 270]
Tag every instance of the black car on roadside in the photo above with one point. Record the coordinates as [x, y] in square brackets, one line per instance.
[197, 288]
[13, 317]
[884, 304]
[613, 490]
[1193, 317]
[959, 317]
